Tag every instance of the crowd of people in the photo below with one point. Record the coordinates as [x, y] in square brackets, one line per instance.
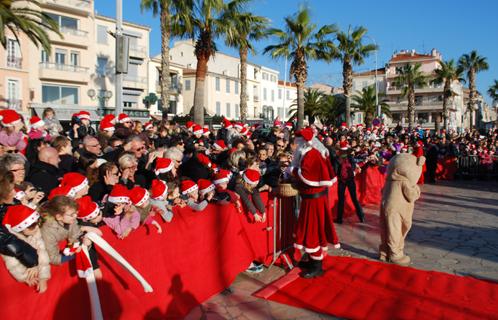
[58, 185]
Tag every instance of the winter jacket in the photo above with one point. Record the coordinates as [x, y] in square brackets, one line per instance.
[253, 204]
[120, 224]
[18, 270]
[44, 176]
[16, 248]
[53, 232]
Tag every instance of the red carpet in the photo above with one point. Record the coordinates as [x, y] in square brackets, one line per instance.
[361, 289]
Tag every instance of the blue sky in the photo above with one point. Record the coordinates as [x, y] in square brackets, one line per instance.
[453, 27]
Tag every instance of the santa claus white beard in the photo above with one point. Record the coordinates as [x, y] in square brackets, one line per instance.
[304, 146]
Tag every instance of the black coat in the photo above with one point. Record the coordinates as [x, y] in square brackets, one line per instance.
[44, 176]
[98, 190]
[193, 169]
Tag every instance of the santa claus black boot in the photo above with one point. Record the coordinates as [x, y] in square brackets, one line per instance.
[305, 262]
[314, 271]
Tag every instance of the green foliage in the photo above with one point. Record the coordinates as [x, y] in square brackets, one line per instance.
[330, 109]
[410, 77]
[493, 91]
[150, 99]
[364, 101]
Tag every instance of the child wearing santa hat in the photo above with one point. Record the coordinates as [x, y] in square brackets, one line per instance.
[77, 183]
[89, 215]
[206, 190]
[119, 213]
[140, 198]
[246, 186]
[22, 222]
[223, 195]
[38, 130]
[190, 193]
[159, 199]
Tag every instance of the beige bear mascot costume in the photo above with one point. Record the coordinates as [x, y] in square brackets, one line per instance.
[398, 199]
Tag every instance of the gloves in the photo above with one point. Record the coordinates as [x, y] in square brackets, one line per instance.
[12, 246]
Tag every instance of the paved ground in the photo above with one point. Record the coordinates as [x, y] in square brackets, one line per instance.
[455, 230]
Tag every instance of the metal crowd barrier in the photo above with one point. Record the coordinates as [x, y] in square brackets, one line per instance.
[471, 167]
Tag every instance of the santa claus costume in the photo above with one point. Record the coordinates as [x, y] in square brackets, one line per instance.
[315, 229]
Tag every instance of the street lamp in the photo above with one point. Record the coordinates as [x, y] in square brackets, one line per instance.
[379, 115]
[103, 98]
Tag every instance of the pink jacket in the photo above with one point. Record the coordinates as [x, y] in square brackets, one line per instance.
[121, 224]
[13, 140]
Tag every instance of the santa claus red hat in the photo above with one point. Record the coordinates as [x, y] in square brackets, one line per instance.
[204, 160]
[197, 130]
[222, 176]
[106, 125]
[83, 115]
[188, 186]
[306, 133]
[344, 125]
[119, 194]
[205, 186]
[251, 176]
[139, 196]
[19, 217]
[158, 190]
[87, 209]
[343, 145]
[148, 125]
[163, 165]
[123, 117]
[61, 191]
[190, 125]
[9, 117]
[220, 145]
[74, 180]
[35, 122]
[289, 125]
[227, 123]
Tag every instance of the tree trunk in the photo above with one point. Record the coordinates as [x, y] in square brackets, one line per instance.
[411, 107]
[165, 37]
[300, 103]
[472, 93]
[445, 104]
[347, 85]
[243, 84]
[368, 119]
[200, 79]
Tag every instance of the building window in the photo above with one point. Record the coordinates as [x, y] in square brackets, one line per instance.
[60, 56]
[228, 110]
[273, 96]
[279, 94]
[237, 111]
[264, 94]
[59, 94]
[255, 93]
[13, 54]
[217, 84]
[44, 57]
[102, 66]
[236, 87]
[227, 89]
[287, 95]
[64, 22]
[187, 85]
[13, 92]
[218, 108]
[101, 34]
[75, 58]
[172, 107]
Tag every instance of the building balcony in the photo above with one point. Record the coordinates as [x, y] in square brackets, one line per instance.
[14, 62]
[83, 7]
[419, 106]
[70, 36]
[427, 89]
[13, 104]
[138, 51]
[135, 82]
[64, 72]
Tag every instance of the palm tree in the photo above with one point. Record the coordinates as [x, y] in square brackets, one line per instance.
[204, 24]
[351, 50]
[29, 20]
[332, 109]
[171, 12]
[301, 43]
[242, 28]
[493, 91]
[447, 74]
[410, 77]
[364, 101]
[313, 100]
[472, 63]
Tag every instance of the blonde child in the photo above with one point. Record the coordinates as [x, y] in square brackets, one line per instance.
[159, 199]
[140, 198]
[121, 216]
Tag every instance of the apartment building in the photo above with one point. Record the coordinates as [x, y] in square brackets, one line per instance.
[428, 99]
[175, 103]
[286, 97]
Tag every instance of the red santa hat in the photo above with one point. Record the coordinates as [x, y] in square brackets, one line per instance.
[36, 122]
[163, 165]
[204, 160]
[123, 117]
[83, 115]
[306, 133]
[227, 123]
[87, 209]
[219, 145]
[74, 180]
[9, 117]
[190, 125]
[188, 186]
[61, 191]
[343, 125]
[238, 125]
[205, 186]
[289, 125]
[19, 194]
[19, 217]
[139, 196]
[251, 176]
[158, 190]
[106, 125]
[277, 122]
[197, 130]
[205, 132]
[244, 131]
[119, 194]
[148, 125]
[222, 176]
[110, 118]
[343, 145]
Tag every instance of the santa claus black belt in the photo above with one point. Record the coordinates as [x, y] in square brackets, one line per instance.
[315, 195]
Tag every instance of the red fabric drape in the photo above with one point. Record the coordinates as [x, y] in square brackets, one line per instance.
[446, 168]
